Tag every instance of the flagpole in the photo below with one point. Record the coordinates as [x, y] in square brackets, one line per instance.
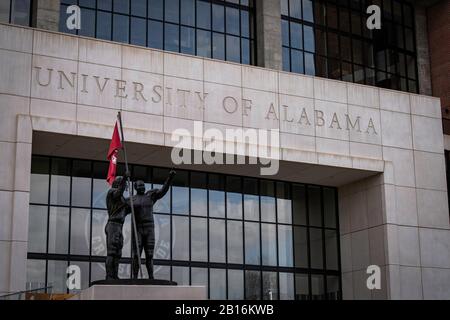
[130, 189]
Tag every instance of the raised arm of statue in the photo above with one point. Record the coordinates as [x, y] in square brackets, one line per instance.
[158, 194]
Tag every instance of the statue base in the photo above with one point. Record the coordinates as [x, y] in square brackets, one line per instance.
[134, 282]
[141, 289]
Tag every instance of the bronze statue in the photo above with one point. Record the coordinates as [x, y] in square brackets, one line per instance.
[143, 208]
[117, 211]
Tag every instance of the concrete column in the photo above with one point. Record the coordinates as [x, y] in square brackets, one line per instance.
[268, 34]
[46, 14]
[423, 54]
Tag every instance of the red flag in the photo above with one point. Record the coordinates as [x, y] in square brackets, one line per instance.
[112, 155]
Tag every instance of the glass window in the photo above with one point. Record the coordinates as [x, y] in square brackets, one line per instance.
[317, 287]
[58, 230]
[155, 34]
[251, 199]
[243, 252]
[4, 11]
[37, 229]
[104, 25]
[286, 286]
[269, 244]
[122, 6]
[252, 285]
[252, 248]
[284, 203]
[199, 194]
[20, 12]
[180, 275]
[315, 208]
[139, 8]
[218, 287]
[315, 242]
[235, 242]
[162, 237]
[35, 274]
[199, 239]
[203, 14]
[60, 182]
[138, 35]
[301, 247]
[295, 8]
[308, 10]
[120, 28]
[216, 240]
[180, 238]
[172, 13]
[57, 276]
[233, 52]
[218, 18]
[88, 29]
[188, 12]
[234, 198]
[216, 196]
[301, 287]
[296, 35]
[235, 284]
[171, 37]
[80, 231]
[155, 9]
[285, 246]
[232, 21]
[270, 285]
[180, 193]
[267, 201]
[218, 46]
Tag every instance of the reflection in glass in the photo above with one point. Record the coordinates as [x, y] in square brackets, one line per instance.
[58, 232]
[218, 46]
[235, 245]
[188, 12]
[57, 276]
[252, 285]
[162, 237]
[180, 275]
[171, 37]
[286, 286]
[163, 204]
[284, 203]
[233, 51]
[269, 244]
[301, 247]
[270, 286]
[252, 248]
[155, 9]
[199, 277]
[235, 284]
[120, 28]
[137, 36]
[218, 284]
[234, 198]
[216, 204]
[161, 272]
[180, 232]
[203, 15]
[251, 199]
[155, 34]
[301, 287]
[317, 287]
[331, 249]
[204, 43]
[39, 180]
[218, 21]
[172, 13]
[98, 244]
[285, 246]
[216, 240]
[315, 214]
[199, 239]
[37, 229]
[35, 274]
[333, 292]
[267, 201]
[232, 20]
[187, 40]
[60, 182]
[315, 242]
[80, 231]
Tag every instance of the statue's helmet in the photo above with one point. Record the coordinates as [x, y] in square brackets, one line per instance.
[117, 181]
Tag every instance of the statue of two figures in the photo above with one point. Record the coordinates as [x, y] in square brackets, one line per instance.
[118, 208]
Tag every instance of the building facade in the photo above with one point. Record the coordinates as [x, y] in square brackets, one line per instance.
[360, 144]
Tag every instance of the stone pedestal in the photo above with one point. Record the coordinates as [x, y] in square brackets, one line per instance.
[142, 292]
